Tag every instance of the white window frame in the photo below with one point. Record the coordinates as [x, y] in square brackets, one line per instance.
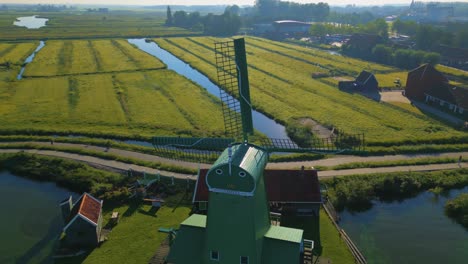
[240, 259]
[211, 255]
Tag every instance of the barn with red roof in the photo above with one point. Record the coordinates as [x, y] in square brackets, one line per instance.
[295, 192]
[83, 221]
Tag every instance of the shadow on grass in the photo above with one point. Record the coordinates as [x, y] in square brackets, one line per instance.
[151, 212]
[132, 208]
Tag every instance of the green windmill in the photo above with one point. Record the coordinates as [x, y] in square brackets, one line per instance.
[238, 225]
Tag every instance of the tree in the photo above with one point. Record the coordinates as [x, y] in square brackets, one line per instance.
[401, 58]
[432, 58]
[319, 30]
[382, 54]
[180, 19]
[169, 16]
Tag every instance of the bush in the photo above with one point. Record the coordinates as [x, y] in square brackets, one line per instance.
[457, 209]
[75, 176]
[356, 192]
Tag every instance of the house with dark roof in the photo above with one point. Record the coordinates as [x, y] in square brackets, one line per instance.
[83, 221]
[428, 85]
[291, 192]
[365, 82]
[291, 26]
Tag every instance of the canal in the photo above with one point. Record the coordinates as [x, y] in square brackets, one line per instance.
[31, 220]
[414, 230]
[261, 122]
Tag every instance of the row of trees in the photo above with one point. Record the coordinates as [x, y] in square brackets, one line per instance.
[427, 36]
[226, 24]
[276, 9]
[403, 58]
[375, 27]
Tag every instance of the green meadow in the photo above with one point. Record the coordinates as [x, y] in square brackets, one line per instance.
[105, 88]
[282, 85]
[82, 24]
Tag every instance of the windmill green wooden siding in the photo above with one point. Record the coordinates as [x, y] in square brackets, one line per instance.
[238, 220]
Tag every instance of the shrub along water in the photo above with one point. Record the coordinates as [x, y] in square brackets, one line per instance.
[357, 192]
[75, 176]
[457, 209]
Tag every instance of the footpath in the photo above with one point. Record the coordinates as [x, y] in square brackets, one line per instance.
[121, 166]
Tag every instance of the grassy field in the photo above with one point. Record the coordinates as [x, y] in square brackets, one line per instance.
[84, 57]
[82, 24]
[136, 237]
[124, 104]
[105, 88]
[282, 86]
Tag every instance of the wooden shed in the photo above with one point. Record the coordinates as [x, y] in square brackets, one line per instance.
[365, 82]
[83, 224]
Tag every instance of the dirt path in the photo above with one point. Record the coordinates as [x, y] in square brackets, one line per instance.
[283, 165]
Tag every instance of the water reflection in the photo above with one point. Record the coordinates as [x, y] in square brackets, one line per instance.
[31, 22]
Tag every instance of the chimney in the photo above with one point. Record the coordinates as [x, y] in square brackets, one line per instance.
[66, 207]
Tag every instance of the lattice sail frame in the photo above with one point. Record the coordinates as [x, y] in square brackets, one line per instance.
[231, 65]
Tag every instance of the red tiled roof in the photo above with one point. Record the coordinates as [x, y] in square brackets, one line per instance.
[281, 186]
[88, 207]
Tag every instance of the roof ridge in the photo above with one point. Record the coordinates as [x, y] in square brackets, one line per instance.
[81, 205]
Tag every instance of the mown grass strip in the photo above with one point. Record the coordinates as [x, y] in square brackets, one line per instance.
[392, 163]
[102, 155]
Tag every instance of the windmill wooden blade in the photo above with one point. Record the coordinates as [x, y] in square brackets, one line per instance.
[233, 78]
[336, 144]
[195, 149]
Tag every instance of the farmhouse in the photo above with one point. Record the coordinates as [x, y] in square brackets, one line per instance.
[365, 82]
[83, 221]
[238, 226]
[291, 26]
[428, 85]
[292, 192]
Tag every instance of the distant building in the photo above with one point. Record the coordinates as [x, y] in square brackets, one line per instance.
[428, 85]
[365, 82]
[291, 26]
[83, 221]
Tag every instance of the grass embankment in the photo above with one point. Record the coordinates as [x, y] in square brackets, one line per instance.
[104, 155]
[105, 88]
[72, 175]
[391, 163]
[327, 241]
[357, 192]
[457, 209]
[81, 24]
[282, 86]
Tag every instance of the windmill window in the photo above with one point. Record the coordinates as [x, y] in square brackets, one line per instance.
[214, 255]
[242, 174]
[219, 171]
[244, 260]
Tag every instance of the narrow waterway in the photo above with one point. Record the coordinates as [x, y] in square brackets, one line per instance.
[30, 222]
[414, 230]
[261, 122]
[30, 59]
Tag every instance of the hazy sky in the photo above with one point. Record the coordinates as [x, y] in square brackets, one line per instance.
[212, 2]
